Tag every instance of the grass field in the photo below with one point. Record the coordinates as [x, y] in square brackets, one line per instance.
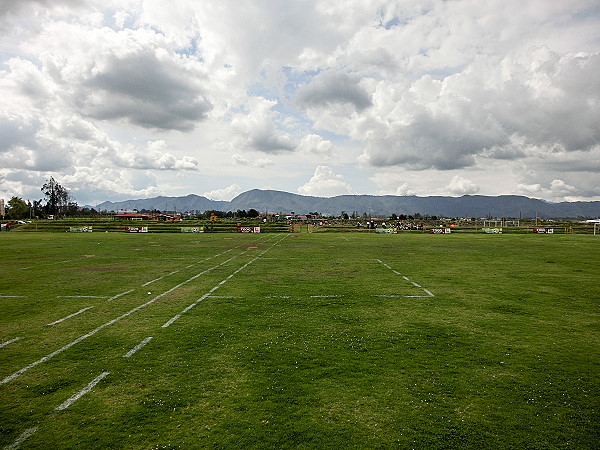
[336, 340]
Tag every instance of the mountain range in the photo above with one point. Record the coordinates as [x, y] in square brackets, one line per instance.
[269, 201]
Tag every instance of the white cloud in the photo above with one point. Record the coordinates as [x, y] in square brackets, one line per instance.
[404, 189]
[426, 90]
[258, 162]
[461, 186]
[225, 194]
[325, 183]
[539, 99]
[257, 128]
[315, 144]
[334, 88]
[557, 190]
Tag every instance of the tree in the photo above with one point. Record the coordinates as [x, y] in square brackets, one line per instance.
[252, 213]
[17, 208]
[57, 197]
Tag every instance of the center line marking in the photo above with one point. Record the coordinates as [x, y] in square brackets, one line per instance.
[429, 294]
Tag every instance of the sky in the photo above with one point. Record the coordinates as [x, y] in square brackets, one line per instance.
[127, 99]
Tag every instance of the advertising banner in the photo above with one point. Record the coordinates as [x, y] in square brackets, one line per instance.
[386, 230]
[491, 230]
[136, 229]
[192, 229]
[543, 230]
[248, 229]
[80, 229]
[439, 231]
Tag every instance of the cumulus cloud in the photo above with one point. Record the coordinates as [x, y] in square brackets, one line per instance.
[109, 183]
[333, 88]
[15, 7]
[539, 99]
[557, 190]
[325, 183]
[259, 162]
[404, 189]
[128, 88]
[315, 144]
[225, 194]
[148, 89]
[461, 186]
[257, 129]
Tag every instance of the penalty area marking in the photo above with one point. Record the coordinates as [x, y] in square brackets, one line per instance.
[429, 294]
[10, 342]
[69, 316]
[82, 392]
[130, 353]
[22, 438]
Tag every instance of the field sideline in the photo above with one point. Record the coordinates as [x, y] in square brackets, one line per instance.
[280, 340]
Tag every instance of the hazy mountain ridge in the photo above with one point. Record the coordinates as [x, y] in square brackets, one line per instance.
[269, 201]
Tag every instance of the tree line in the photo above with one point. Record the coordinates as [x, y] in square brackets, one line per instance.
[57, 201]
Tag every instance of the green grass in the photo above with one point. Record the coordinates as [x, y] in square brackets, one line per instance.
[314, 344]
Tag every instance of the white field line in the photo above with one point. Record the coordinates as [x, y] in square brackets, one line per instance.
[429, 294]
[82, 392]
[10, 342]
[221, 283]
[12, 296]
[119, 295]
[187, 267]
[22, 438]
[325, 296]
[168, 274]
[53, 262]
[69, 316]
[21, 371]
[130, 353]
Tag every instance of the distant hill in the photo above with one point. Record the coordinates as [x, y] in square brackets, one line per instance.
[268, 201]
[189, 203]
